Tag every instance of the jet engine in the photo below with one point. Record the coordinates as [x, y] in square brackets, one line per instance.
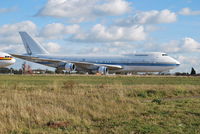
[103, 70]
[69, 67]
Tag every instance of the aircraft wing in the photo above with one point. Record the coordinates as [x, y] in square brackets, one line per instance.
[56, 63]
[88, 65]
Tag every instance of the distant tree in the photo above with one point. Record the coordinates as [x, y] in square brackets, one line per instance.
[193, 72]
[181, 74]
[15, 71]
[49, 71]
[4, 70]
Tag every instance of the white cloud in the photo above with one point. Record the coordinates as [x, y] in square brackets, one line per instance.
[108, 50]
[52, 47]
[81, 10]
[101, 33]
[21, 26]
[186, 45]
[188, 11]
[187, 62]
[9, 33]
[10, 39]
[150, 17]
[172, 46]
[9, 36]
[6, 10]
[120, 45]
[12, 48]
[112, 7]
[189, 44]
[151, 28]
[58, 30]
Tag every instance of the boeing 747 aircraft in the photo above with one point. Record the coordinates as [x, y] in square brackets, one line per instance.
[139, 62]
[6, 60]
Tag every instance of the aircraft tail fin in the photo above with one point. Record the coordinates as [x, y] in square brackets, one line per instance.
[31, 46]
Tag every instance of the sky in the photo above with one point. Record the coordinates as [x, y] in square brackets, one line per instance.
[104, 27]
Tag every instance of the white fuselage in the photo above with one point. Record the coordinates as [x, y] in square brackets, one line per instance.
[6, 60]
[140, 62]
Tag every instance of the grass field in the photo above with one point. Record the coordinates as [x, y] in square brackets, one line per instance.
[99, 104]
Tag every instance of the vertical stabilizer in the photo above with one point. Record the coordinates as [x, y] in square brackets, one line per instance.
[31, 46]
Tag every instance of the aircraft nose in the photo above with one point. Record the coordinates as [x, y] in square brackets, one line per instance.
[12, 61]
[177, 63]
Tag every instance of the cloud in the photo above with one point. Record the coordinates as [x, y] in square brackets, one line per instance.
[82, 10]
[189, 44]
[172, 46]
[186, 45]
[7, 10]
[187, 62]
[109, 51]
[118, 36]
[52, 47]
[9, 32]
[58, 30]
[110, 48]
[21, 26]
[9, 36]
[101, 33]
[10, 40]
[112, 8]
[188, 11]
[12, 48]
[150, 17]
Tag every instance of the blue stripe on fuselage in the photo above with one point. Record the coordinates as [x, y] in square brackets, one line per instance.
[140, 64]
[126, 64]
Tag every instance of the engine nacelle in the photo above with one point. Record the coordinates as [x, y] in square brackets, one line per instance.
[103, 70]
[69, 67]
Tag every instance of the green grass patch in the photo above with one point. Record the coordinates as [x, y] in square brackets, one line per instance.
[99, 104]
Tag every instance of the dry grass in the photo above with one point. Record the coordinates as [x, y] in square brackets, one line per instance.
[110, 106]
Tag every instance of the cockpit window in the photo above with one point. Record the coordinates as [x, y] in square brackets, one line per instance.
[8, 56]
[164, 54]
